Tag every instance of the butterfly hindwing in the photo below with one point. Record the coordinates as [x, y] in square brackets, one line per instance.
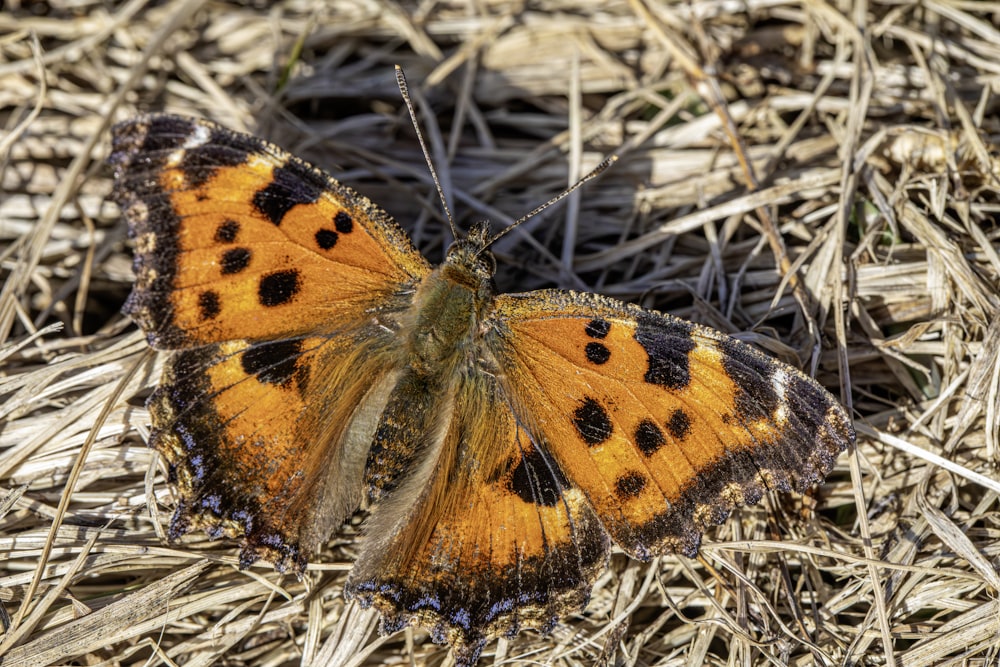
[488, 539]
[665, 425]
[254, 439]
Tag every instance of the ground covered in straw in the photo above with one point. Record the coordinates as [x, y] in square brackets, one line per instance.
[818, 177]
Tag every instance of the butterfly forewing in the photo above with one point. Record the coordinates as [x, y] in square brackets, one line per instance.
[666, 426]
[237, 239]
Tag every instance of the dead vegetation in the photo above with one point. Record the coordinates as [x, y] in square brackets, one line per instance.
[859, 241]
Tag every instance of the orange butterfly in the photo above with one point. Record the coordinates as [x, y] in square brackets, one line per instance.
[504, 441]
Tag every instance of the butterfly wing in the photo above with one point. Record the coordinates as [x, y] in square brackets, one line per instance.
[281, 290]
[487, 538]
[265, 442]
[665, 425]
[237, 239]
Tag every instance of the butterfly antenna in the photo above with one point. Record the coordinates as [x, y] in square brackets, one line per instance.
[597, 171]
[405, 92]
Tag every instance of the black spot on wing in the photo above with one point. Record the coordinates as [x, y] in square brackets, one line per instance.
[592, 422]
[235, 260]
[630, 485]
[648, 437]
[597, 353]
[597, 328]
[273, 363]
[278, 287]
[326, 238]
[679, 424]
[343, 222]
[227, 231]
[533, 481]
[209, 305]
[667, 342]
[286, 190]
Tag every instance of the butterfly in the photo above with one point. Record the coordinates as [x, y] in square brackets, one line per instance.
[504, 442]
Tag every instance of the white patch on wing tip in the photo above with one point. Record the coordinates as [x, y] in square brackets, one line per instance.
[779, 382]
[199, 137]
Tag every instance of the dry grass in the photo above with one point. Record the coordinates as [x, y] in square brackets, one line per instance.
[867, 253]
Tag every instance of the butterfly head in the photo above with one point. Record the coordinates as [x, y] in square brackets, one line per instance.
[471, 253]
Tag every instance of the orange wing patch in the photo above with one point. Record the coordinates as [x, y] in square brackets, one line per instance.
[267, 275]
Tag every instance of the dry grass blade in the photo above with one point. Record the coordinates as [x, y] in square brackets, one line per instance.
[128, 617]
[869, 255]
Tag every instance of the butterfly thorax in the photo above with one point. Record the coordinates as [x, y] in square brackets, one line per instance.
[449, 305]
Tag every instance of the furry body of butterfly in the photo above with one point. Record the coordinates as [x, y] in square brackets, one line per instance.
[505, 441]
